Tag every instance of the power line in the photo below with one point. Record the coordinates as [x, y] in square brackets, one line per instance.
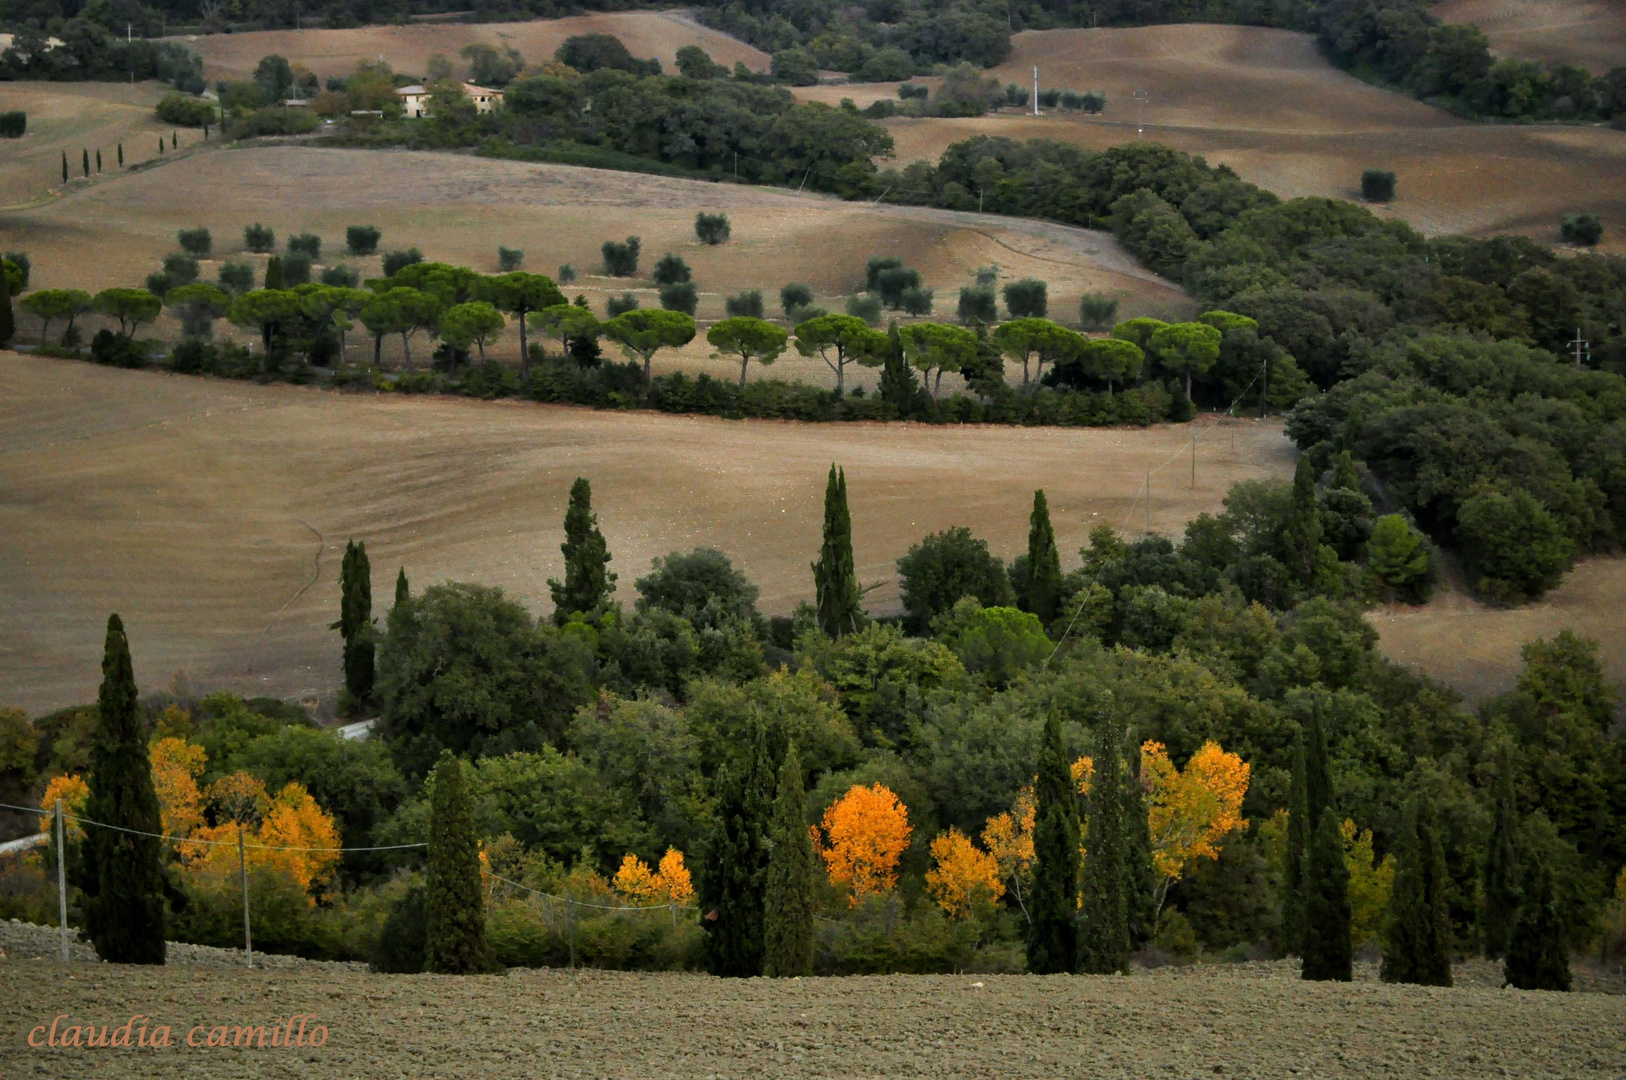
[188, 840]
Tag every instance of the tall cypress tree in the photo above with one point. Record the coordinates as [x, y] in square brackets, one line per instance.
[355, 623]
[455, 942]
[835, 579]
[787, 917]
[1140, 874]
[1298, 836]
[1044, 563]
[733, 887]
[85, 161]
[1418, 941]
[403, 592]
[1302, 532]
[588, 583]
[8, 321]
[1538, 957]
[1501, 886]
[122, 873]
[1052, 938]
[273, 268]
[64, 166]
[1103, 939]
[1324, 889]
[897, 387]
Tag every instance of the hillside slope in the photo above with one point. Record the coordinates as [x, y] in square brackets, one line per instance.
[1588, 33]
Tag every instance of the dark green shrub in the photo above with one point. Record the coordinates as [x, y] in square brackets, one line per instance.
[342, 276]
[306, 244]
[1584, 229]
[567, 274]
[1028, 298]
[185, 110]
[180, 268]
[402, 942]
[866, 307]
[509, 259]
[795, 67]
[977, 305]
[1378, 185]
[670, 269]
[237, 277]
[917, 300]
[680, 296]
[258, 238]
[746, 303]
[296, 270]
[396, 261]
[794, 297]
[711, 228]
[13, 124]
[620, 305]
[362, 239]
[913, 91]
[621, 258]
[1514, 546]
[1096, 310]
[891, 283]
[195, 241]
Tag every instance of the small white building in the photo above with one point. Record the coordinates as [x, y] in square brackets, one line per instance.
[415, 99]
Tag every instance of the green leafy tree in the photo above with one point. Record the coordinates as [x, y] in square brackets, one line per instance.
[945, 566]
[1096, 310]
[355, 623]
[711, 229]
[749, 339]
[1185, 350]
[1301, 536]
[403, 311]
[122, 873]
[588, 583]
[197, 306]
[49, 305]
[788, 906]
[455, 908]
[569, 323]
[835, 577]
[468, 324]
[1515, 547]
[701, 586]
[1417, 943]
[1052, 930]
[361, 239]
[1103, 940]
[1500, 907]
[733, 887]
[1399, 556]
[131, 307]
[519, 294]
[1538, 956]
[1027, 298]
[840, 340]
[1043, 592]
[939, 347]
[267, 310]
[995, 643]
[1037, 340]
[641, 334]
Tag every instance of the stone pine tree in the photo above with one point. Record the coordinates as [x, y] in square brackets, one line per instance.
[1324, 879]
[1417, 943]
[403, 592]
[588, 583]
[733, 888]
[1103, 936]
[835, 579]
[1140, 874]
[1044, 563]
[1052, 932]
[1537, 956]
[355, 624]
[1301, 536]
[122, 874]
[787, 917]
[455, 941]
[1501, 870]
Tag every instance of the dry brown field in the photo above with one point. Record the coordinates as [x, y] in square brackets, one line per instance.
[212, 514]
[658, 34]
[458, 209]
[68, 118]
[1588, 33]
[1265, 103]
[1233, 1020]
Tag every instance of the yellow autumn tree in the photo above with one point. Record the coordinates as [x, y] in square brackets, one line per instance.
[1190, 812]
[74, 793]
[673, 877]
[1009, 840]
[176, 766]
[288, 832]
[1370, 883]
[634, 880]
[964, 874]
[669, 882]
[863, 835]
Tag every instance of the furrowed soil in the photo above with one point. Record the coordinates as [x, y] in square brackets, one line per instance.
[1587, 33]
[407, 49]
[1266, 103]
[1243, 1020]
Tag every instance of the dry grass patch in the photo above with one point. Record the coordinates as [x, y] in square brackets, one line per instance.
[71, 117]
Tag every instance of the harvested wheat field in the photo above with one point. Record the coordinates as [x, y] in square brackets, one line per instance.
[1235, 1020]
[212, 515]
[1266, 103]
[458, 209]
[657, 34]
[67, 118]
[1587, 33]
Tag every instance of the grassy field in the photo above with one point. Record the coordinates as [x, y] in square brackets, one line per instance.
[1233, 1020]
[458, 209]
[211, 515]
[408, 48]
[1588, 33]
[1267, 104]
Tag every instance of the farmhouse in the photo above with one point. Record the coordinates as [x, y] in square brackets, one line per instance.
[415, 99]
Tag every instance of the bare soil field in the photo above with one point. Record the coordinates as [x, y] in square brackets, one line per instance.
[1267, 104]
[211, 515]
[658, 34]
[1588, 33]
[458, 209]
[1243, 1020]
[71, 117]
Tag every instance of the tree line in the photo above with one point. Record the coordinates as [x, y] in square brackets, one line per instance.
[970, 771]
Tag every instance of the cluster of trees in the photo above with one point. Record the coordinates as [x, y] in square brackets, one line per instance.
[92, 46]
[972, 771]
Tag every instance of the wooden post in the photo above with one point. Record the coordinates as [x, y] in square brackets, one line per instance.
[242, 869]
[61, 881]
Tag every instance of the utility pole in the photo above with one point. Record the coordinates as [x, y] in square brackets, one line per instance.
[242, 869]
[1035, 89]
[1193, 457]
[1141, 98]
[1148, 503]
[61, 882]
[1580, 348]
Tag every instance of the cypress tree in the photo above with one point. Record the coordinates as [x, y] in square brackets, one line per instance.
[835, 580]
[160, 144]
[402, 592]
[588, 582]
[1501, 886]
[1328, 953]
[1103, 939]
[1140, 874]
[734, 886]
[1418, 941]
[1298, 834]
[897, 386]
[8, 320]
[1052, 932]
[787, 917]
[64, 166]
[121, 155]
[1537, 956]
[355, 623]
[455, 943]
[273, 265]
[1044, 563]
[122, 874]
[1302, 532]
[98, 159]
[85, 161]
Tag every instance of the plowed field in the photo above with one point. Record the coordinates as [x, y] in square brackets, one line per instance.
[1589, 33]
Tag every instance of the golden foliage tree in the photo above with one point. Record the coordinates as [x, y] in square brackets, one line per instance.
[669, 882]
[74, 793]
[1370, 883]
[673, 877]
[1009, 840]
[1190, 812]
[863, 835]
[176, 766]
[965, 875]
